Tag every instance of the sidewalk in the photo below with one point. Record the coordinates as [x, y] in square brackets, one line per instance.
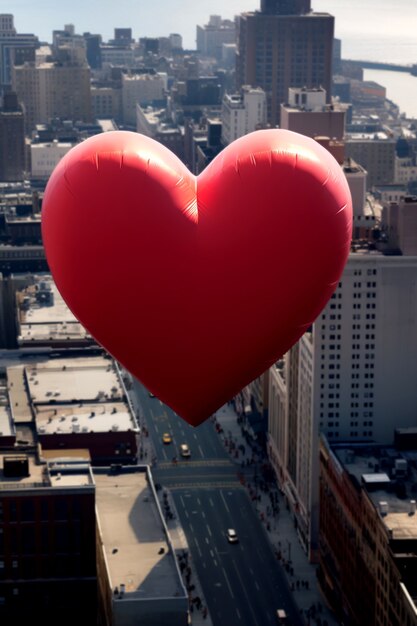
[279, 525]
[199, 616]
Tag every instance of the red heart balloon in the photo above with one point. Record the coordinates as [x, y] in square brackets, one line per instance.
[197, 285]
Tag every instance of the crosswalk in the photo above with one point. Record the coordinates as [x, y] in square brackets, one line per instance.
[203, 463]
[219, 484]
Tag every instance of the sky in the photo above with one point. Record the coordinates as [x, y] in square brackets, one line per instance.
[376, 27]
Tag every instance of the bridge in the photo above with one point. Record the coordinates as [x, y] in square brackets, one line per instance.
[376, 65]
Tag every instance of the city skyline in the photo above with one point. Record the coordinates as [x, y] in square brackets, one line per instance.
[389, 32]
[295, 501]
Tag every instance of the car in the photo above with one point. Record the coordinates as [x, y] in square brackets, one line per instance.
[232, 536]
[151, 395]
[166, 438]
[185, 450]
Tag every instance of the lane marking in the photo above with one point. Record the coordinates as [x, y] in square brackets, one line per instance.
[201, 452]
[209, 531]
[198, 547]
[238, 613]
[224, 501]
[244, 590]
[211, 502]
[228, 583]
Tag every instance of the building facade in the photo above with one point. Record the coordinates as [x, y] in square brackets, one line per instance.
[212, 36]
[308, 114]
[14, 48]
[368, 534]
[53, 90]
[144, 88]
[284, 46]
[376, 153]
[336, 377]
[47, 543]
[12, 139]
[242, 113]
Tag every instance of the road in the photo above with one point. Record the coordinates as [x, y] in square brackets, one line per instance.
[243, 583]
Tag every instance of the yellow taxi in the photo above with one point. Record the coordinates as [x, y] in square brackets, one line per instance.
[166, 438]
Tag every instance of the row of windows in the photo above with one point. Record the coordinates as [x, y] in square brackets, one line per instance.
[369, 272]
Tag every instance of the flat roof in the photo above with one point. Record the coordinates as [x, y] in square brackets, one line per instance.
[39, 313]
[62, 472]
[6, 424]
[134, 538]
[396, 512]
[19, 400]
[37, 473]
[91, 379]
[87, 418]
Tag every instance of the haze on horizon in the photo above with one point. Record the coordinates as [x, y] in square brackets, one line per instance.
[358, 23]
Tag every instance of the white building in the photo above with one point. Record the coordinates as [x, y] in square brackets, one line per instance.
[141, 89]
[352, 377]
[243, 113]
[46, 156]
[405, 170]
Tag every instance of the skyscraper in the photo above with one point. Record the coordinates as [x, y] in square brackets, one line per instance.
[284, 45]
[13, 48]
[352, 377]
[12, 139]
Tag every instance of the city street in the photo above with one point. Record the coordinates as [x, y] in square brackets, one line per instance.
[243, 583]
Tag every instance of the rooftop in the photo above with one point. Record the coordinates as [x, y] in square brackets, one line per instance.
[40, 475]
[134, 538]
[389, 477]
[84, 379]
[84, 418]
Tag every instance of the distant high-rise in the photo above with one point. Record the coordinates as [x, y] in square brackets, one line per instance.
[12, 139]
[50, 90]
[285, 45]
[13, 47]
[285, 7]
[212, 36]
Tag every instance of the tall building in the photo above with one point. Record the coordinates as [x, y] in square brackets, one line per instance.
[212, 36]
[243, 113]
[284, 45]
[352, 377]
[47, 541]
[141, 88]
[12, 139]
[14, 47]
[53, 90]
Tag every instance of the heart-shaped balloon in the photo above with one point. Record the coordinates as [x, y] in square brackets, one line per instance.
[197, 285]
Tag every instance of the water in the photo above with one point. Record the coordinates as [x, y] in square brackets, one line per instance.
[374, 30]
[401, 89]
